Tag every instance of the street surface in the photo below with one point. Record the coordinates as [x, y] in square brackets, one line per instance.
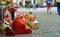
[49, 24]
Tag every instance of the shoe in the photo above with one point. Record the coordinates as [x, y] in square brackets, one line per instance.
[58, 14]
[50, 12]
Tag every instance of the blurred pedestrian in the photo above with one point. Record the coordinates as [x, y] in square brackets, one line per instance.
[58, 6]
[34, 4]
[21, 5]
[49, 6]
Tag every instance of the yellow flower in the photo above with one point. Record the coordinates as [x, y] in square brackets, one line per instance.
[34, 26]
[30, 15]
[3, 26]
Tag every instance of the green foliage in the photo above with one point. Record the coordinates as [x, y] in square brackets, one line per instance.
[2, 3]
[7, 3]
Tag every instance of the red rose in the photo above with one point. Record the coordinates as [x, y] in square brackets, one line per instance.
[9, 32]
[22, 22]
[19, 31]
[6, 15]
[30, 12]
[23, 27]
[32, 19]
[17, 16]
[6, 18]
[10, 10]
[15, 24]
[18, 27]
[15, 9]
[28, 31]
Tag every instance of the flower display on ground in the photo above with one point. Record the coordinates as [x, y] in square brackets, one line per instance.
[22, 24]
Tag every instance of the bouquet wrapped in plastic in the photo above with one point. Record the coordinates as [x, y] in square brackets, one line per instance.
[19, 25]
[22, 24]
[32, 23]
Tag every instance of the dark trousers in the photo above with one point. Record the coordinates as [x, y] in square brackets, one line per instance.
[58, 8]
[12, 15]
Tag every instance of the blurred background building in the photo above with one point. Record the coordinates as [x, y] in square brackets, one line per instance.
[37, 2]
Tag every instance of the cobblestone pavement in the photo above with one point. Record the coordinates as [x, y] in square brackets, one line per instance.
[49, 24]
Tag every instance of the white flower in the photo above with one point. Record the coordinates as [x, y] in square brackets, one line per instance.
[36, 22]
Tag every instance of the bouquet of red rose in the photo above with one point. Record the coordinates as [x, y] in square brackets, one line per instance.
[12, 9]
[19, 26]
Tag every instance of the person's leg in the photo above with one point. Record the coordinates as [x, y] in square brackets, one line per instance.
[12, 15]
[58, 9]
[50, 10]
[47, 8]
